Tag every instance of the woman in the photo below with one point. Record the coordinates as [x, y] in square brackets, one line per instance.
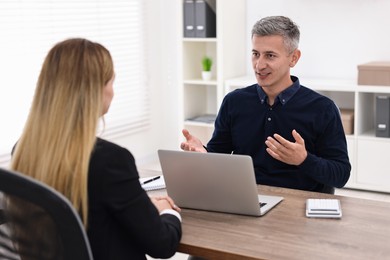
[59, 147]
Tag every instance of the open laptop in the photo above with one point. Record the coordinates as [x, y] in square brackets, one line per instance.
[214, 182]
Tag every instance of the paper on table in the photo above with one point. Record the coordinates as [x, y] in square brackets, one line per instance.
[153, 185]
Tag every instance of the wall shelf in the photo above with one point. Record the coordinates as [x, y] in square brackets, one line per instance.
[228, 51]
[200, 82]
[199, 39]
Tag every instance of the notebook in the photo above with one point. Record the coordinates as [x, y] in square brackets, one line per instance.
[214, 182]
[152, 183]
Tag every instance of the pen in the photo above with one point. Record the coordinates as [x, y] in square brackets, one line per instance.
[152, 179]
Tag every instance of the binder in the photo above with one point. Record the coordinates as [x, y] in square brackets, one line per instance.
[205, 19]
[189, 18]
[382, 116]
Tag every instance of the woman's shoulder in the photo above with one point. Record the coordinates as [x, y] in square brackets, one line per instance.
[108, 154]
[104, 146]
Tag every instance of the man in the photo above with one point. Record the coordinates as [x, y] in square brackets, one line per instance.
[293, 134]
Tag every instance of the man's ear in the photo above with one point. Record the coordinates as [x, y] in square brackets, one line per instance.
[295, 57]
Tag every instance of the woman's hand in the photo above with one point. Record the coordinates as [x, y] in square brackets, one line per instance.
[164, 202]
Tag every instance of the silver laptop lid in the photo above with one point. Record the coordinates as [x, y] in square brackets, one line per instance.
[211, 181]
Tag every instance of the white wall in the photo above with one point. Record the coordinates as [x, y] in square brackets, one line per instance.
[336, 35]
[163, 82]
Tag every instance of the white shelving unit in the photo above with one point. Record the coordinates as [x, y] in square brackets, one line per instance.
[228, 51]
[368, 154]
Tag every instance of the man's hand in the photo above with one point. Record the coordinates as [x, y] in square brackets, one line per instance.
[192, 143]
[286, 151]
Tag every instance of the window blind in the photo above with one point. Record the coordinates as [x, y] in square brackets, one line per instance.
[30, 28]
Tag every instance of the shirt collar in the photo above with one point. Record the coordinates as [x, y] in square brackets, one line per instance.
[285, 95]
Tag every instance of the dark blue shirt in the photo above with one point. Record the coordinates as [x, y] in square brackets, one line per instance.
[245, 120]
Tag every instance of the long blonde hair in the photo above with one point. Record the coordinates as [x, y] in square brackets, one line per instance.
[60, 132]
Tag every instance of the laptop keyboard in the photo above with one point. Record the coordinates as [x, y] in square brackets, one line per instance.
[262, 204]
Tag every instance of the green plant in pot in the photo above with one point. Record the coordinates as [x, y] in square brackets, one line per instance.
[207, 62]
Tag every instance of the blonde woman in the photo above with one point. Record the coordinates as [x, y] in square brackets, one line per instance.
[59, 147]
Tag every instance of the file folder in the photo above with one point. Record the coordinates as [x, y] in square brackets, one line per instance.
[189, 18]
[382, 116]
[205, 19]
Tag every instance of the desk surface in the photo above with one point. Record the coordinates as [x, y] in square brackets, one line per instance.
[286, 233]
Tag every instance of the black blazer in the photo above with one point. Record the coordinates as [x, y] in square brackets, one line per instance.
[123, 223]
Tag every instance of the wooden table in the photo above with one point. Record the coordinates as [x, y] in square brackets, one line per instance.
[285, 232]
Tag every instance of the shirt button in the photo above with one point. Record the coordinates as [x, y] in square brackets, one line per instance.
[283, 101]
[269, 119]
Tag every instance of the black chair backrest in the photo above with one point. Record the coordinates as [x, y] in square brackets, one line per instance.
[37, 222]
[327, 189]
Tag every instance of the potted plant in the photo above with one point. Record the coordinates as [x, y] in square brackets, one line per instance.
[207, 62]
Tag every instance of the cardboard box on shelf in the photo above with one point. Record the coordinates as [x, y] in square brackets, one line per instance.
[374, 73]
[347, 116]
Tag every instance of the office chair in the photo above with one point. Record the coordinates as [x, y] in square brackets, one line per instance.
[327, 189]
[37, 222]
